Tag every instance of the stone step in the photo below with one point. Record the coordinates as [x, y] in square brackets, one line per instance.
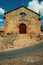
[23, 36]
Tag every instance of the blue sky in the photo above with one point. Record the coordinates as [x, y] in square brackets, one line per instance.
[11, 4]
[8, 5]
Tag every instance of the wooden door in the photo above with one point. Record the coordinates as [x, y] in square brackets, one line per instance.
[22, 29]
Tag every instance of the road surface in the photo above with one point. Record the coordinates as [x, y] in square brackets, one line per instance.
[21, 52]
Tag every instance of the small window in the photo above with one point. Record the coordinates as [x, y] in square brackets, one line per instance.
[22, 15]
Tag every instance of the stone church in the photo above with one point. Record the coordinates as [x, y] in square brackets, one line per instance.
[24, 24]
[22, 21]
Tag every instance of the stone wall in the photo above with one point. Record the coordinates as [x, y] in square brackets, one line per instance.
[13, 21]
[12, 39]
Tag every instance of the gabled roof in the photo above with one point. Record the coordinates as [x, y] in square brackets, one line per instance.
[21, 7]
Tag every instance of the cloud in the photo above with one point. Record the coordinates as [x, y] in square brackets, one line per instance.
[41, 8]
[1, 20]
[35, 6]
[1, 11]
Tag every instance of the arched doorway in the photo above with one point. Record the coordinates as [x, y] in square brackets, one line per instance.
[22, 28]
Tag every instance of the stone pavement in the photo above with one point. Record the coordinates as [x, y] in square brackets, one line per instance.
[34, 59]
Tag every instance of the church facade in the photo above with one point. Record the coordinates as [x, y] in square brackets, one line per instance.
[22, 21]
[22, 28]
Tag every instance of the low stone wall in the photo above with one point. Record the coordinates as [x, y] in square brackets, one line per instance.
[11, 41]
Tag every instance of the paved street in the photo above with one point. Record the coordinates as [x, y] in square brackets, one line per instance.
[21, 52]
[33, 59]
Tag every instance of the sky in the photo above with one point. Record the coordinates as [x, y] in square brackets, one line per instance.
[8, 5]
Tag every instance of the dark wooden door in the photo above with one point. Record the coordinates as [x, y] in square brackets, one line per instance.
[22, 29]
